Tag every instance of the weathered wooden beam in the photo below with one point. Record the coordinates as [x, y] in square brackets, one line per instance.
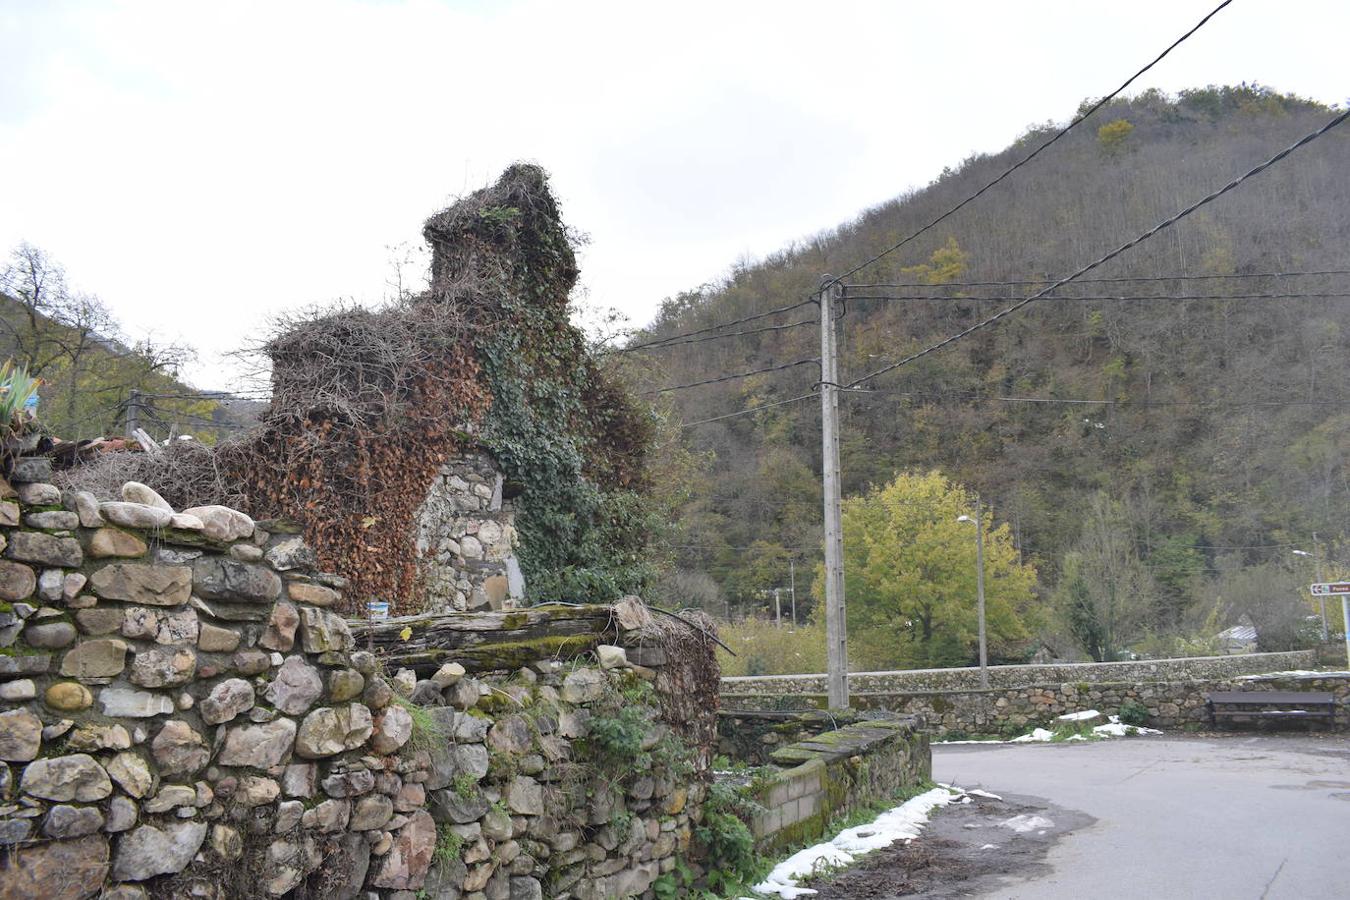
[486, 641]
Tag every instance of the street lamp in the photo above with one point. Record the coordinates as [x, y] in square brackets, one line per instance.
[1321, 600]
[979, 590]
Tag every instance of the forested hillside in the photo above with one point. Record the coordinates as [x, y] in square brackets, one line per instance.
[1216, 432]
[92, 376]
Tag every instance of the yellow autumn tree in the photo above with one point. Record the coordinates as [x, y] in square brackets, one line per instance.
[909, 567]
[1113, 135]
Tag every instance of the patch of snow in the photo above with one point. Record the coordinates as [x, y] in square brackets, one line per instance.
[903, 823]
[976, 792]
[1117, 728]
[989, 847]
[1039, 735]
[1113, 728]
[1024, 823]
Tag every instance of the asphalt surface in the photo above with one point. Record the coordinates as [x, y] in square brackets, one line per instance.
[1228, 816]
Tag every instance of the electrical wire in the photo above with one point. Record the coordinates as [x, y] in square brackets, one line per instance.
[714, 337]
[218, 396]
[1292, 295]
[159, 415]
[755, 317]
[973, 397]
[732, 377]
[1166, 223]
[725, 547]
[1034, 153]
[746, 412]
[1122, 278]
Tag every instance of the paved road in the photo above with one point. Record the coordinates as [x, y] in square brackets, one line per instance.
[1233, 816]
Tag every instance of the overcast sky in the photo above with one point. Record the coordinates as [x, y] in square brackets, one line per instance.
[201, 166]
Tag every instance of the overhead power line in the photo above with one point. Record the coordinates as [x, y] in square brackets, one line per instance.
[732, 377]
[217, 396]
[1034, 153]
[1117, 279]
[718, 327]
[1064, 401]
[715, 337]
[1004, 299]
[1130, 403]
[1290, 295]
[1128, 245]
[748, 411]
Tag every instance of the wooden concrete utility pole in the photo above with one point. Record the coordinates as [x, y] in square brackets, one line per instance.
[836, 629]
[979, 593]
[133, 413]
[1317, 558]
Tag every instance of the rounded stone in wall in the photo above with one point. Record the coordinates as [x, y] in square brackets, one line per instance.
[17, 581]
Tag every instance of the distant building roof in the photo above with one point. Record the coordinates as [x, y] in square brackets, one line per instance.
[1241, 634]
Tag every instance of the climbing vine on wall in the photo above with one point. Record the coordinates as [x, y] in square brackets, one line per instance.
[571, 441]
[368, 404]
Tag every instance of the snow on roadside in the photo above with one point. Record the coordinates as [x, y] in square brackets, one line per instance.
[903, 823]
[1113, 728]
[1037, 736]
[1116, 728]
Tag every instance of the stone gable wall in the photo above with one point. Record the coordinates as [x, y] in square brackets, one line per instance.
[466, 538]
[182, 715]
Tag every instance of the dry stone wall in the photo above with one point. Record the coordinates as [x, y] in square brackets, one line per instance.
[466, 538]
[968, 678]
[1168, 704]
[1177, 703]
[183, 715]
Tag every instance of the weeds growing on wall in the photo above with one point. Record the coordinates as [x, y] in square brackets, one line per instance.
[727, 842]
[1132, 712]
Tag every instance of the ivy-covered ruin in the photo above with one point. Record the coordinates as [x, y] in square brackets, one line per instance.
[371, 409]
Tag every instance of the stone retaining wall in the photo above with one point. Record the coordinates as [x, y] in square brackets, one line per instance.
[830, 774]
[181, 715]
[912, 680]
[1169, 704]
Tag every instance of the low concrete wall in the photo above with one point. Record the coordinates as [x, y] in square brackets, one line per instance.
[751, 736]
[833, 773]
[911, 680]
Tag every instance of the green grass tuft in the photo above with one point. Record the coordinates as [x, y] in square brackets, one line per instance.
[427, 732]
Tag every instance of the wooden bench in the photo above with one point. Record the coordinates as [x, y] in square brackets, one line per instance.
[1278, 706]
